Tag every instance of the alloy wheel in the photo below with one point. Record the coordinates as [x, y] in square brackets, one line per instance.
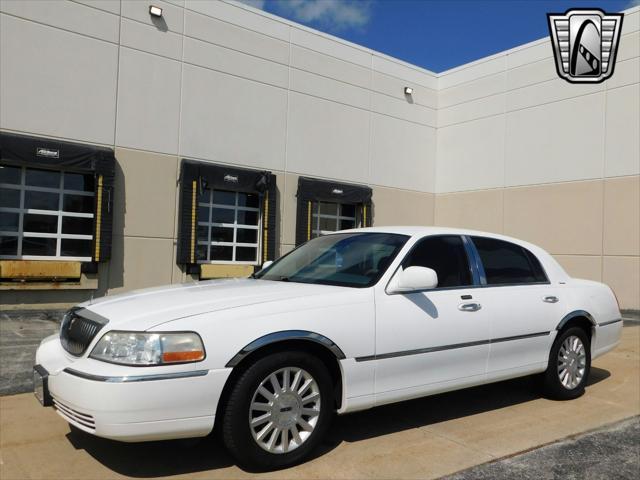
[572, 361]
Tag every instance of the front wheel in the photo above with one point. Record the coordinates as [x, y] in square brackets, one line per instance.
[278, 411]
[569, 365]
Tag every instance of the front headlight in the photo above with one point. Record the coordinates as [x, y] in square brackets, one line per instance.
[141, 348]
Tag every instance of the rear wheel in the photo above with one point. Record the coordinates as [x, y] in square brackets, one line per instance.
[569, 365]
[278, 410]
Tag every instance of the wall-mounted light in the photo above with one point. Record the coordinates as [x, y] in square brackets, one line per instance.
[408, 90]
[155, 11]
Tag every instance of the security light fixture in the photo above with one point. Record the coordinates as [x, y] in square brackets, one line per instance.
[408, 90]
[155, 11]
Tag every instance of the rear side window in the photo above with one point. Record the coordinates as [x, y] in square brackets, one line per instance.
[507, 263]
[444, 254]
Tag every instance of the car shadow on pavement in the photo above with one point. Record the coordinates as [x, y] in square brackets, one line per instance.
[175, 457]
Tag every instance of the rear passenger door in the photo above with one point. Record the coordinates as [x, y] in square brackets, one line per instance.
[521, 304]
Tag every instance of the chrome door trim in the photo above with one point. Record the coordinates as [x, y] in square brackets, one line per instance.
[419, 351]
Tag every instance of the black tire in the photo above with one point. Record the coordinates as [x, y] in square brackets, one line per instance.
[236, 432]
[551, 383]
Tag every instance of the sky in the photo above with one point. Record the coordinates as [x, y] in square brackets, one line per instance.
[433, 34]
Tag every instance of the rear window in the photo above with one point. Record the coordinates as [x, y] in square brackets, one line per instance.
[508, 263]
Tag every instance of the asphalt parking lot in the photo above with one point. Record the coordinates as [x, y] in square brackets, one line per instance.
[425, 438]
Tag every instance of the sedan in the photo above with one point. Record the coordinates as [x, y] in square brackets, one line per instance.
[347, 321]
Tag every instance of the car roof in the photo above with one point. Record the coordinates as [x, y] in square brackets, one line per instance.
[419, 231]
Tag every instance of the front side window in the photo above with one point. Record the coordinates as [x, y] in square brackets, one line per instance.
[46, 214]
[444, 254]
[507, 263]
[228, 227]
[330, 217]
[343, 259]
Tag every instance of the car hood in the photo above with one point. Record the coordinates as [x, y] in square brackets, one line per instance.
[148, 308]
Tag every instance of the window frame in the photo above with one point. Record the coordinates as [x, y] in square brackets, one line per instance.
[527, 253]
[209, 223]
[316, 215]
[476, 266]
[21, 211]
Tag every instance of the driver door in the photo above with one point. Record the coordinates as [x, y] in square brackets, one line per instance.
[432, 340]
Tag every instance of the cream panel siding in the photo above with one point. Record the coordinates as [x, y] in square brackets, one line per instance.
[556, 142]
[112, 6]
[172, 16]
[402, 109]
[66, 15]
[327, 139]
[477, 210]
[622, 274]
[149, 39]
[242, 17]
[564, 218]
[394, 87]
[471, 155]
[483, 87]
[325, 65]
[464, 112]
[389, 207]
[627, 73]
[629, 46]
[398, 69]
[529, 53]
[402, 154]
[330, 89]
[622, 153]
[148, 102]
[231, 120]
[547, 92]
[532, 73]
[237, 38]
[235, 63]
[56, 83]
[622, 216]
[472, 71]
[582, 266]
[324, 44]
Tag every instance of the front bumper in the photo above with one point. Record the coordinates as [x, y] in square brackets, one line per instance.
[131, 404]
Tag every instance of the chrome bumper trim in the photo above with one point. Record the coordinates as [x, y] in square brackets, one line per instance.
[135, 378]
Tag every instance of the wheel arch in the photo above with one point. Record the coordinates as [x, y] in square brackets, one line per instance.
[579, 318]
[314, 343]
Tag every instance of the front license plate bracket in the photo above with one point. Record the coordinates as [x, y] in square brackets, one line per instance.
[41, 386]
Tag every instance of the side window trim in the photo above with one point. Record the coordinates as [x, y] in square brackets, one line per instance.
[477, 268]
[475, 283]
[481, 272]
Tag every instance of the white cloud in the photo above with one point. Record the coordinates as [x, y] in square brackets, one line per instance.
[254, 3]
[333, 14]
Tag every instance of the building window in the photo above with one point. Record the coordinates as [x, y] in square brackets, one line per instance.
[46, 214]
[331, 217]
[229, 226]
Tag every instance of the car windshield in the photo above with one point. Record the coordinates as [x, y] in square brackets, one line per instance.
[344, 259]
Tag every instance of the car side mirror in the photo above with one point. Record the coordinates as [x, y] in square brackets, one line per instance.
[413, 279]
[267, 264]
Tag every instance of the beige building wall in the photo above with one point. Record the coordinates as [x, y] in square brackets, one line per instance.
[524, 153]
[501, 144]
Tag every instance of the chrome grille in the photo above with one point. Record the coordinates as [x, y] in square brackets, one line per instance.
[74, 416]
[77, 331]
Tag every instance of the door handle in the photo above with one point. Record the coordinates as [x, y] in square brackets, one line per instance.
[550, 299]
[469, 307]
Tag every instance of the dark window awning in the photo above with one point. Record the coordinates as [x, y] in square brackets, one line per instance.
[196, 177]
[312, 190]
[39, 152]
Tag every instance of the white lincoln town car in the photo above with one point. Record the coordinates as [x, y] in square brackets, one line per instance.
[345, 322]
